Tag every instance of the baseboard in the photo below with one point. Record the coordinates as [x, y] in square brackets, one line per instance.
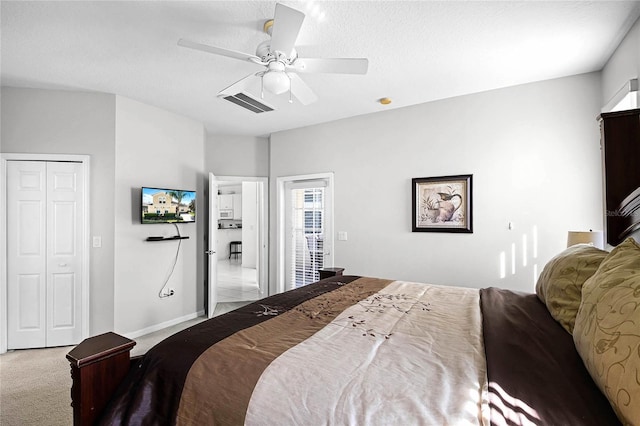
[163, 325]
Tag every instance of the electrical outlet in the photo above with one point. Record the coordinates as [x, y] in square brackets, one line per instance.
[167, 293]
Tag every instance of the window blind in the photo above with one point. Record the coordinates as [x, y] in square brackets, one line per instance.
[307, 236]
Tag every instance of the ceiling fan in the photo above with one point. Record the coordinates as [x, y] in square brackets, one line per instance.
[280, 59]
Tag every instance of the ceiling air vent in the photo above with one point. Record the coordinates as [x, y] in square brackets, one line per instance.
[248, 102]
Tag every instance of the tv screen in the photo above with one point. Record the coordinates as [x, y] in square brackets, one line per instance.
[162, 205]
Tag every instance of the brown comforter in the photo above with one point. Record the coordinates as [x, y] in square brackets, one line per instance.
[534, 374]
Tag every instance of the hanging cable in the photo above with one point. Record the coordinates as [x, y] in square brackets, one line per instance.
[162, 294]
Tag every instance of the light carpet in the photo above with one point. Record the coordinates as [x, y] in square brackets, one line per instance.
[35, 384]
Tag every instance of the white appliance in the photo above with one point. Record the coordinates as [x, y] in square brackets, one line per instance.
[225, 214]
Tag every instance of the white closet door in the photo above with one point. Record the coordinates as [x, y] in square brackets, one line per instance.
[26, 254]
[44, 223]
[64, 249]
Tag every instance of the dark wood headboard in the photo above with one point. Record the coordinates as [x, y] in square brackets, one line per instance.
[620, 138]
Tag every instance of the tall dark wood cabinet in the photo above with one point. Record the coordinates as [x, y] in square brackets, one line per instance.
[620, 138]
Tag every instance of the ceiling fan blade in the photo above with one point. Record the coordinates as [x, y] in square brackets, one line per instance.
[286, 27]
[301, 91]
[331, 65]
[219, 51]
[238, 86]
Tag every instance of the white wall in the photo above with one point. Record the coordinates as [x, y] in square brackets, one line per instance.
[237, 155]
[64, 122]
[534, 154]
[623, 65]
[154, 147]
[159, 149]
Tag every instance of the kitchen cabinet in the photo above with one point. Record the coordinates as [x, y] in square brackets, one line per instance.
[225, 202]
[225, 206]
[230, 206]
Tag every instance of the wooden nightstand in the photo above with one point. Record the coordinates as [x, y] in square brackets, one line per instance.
[330, 272]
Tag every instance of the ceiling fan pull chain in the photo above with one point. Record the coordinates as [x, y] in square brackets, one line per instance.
[290, 95]
[262, 86]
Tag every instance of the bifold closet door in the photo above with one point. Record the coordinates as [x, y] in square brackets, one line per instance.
[44, 250]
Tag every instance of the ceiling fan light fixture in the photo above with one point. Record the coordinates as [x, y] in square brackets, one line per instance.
[268, 26]
[276, 82]
[279, 58]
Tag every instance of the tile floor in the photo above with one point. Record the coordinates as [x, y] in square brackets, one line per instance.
[235, 283]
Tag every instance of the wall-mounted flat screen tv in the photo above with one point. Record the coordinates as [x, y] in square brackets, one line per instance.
[162, 205]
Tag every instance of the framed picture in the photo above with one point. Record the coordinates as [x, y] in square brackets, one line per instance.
[442, 204]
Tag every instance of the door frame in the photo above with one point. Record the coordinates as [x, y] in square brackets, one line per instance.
[211, 283]
[263, 236]
[85, 160]
[281, 220]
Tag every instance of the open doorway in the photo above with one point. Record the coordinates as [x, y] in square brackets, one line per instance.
[241, 239]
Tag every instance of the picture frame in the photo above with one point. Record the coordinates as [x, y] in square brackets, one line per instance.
[442, 204]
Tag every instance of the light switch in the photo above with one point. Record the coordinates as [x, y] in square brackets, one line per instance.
[97, 242]
[342, 236]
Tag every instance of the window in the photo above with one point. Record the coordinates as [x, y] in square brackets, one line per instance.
[305, 236]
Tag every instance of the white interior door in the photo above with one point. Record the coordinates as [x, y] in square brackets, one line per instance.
[26, 254]
[64, 253]
[45, 253]
[212, 259]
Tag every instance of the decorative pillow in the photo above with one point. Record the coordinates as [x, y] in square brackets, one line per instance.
[607, 329]
[560, 283]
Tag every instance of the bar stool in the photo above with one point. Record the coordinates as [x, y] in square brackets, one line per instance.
[235, 249]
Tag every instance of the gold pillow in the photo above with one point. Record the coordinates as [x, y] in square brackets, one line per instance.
[560, 283]
[607, 329]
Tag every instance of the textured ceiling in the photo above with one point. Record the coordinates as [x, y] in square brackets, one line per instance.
[418, 51]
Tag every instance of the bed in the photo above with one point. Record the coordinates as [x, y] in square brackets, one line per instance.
[362, 350]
